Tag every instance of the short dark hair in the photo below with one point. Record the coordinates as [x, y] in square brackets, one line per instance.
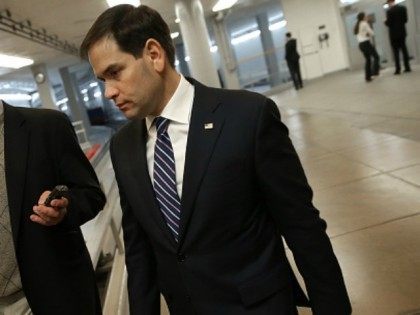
[288, 34]
[131, 27]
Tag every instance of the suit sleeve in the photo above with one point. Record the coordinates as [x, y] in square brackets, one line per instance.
[85, 196]
[143, 293]
[289, 200]
[404, 14]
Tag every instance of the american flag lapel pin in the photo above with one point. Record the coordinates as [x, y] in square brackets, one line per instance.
[208, 126]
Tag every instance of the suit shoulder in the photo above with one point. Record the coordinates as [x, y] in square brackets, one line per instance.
[246, 99]
[48, 120]
[38, 115]
[242, 105]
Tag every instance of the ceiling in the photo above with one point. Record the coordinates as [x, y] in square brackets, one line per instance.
[70, 21]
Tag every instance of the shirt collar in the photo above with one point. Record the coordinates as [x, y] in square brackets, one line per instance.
[178, 108]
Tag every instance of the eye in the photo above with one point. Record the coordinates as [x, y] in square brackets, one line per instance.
[114, 73]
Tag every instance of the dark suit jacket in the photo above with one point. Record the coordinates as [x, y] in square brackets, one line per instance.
[243, 187]
[41, 151]
[396, 18]
[291, 51]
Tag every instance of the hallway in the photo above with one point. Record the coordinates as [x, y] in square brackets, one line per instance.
[360, 147]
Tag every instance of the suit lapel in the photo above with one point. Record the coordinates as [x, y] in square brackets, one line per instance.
[16, 138]
[141, 174]
[205, 127]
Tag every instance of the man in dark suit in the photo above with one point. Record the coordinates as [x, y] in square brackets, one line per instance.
[209, 183]
[292, 57]
[45, 266]
[396, 18]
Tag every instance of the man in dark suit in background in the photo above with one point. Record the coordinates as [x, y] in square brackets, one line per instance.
[396, 18]
[45, 267]
[292, 57]
[209, 183]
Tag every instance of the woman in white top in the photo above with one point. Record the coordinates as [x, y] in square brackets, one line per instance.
[364, 34]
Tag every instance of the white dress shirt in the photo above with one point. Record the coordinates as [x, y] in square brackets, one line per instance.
[178, 111]
[365, 32]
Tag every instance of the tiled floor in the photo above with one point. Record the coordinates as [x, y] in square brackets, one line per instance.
[360, 147]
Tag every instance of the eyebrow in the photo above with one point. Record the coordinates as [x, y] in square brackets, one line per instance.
[110, 68]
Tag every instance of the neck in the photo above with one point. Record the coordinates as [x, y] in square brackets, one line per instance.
[170, 83]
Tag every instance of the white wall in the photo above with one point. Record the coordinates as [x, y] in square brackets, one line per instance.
[303, 19]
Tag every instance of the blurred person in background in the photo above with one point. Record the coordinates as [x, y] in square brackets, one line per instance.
[364, 34]
[396, 18]
[292, 58]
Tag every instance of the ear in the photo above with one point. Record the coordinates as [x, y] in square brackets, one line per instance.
[155, 53]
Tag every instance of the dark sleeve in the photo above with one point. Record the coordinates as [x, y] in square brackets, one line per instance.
[404, 14]
[143, 293]
[85, 196]
[289, 199]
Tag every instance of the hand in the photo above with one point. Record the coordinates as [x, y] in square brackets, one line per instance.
[52, 215]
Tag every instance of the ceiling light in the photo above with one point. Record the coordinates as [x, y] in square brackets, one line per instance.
[245, 37]
[277, 25]
[15, 97]
[174, 35]
[177, 20]
[112, 3]
[62, 101]
[93, 84]
[14, 62]
[176, 62]
[245, 30]
[187, 58]
[213, 49]
[223, 5]
[347, 2]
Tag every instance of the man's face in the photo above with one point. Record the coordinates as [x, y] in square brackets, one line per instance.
[132, 83]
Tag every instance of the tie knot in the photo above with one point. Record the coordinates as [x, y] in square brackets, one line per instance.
[161, 125]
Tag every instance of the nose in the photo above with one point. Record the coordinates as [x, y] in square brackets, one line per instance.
[111, 91]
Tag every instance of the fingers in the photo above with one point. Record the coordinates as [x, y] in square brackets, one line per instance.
[37, 219]
[43, 197]
[48, 216]
[60, 203]
[52, 215]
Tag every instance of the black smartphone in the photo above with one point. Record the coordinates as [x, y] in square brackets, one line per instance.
[58, 192]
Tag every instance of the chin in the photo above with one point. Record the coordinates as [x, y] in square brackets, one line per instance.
[130, 114]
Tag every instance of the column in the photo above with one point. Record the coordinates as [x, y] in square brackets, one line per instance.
[45, 90]
[229, 64]
[77, 108]
[269, 49]
[196, 41]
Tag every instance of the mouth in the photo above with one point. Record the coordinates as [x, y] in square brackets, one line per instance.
[122, 105]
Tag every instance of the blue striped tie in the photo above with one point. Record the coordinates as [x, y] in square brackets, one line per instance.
[164, 179]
